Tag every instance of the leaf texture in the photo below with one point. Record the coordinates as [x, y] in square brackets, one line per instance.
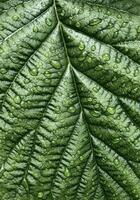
[69, 100]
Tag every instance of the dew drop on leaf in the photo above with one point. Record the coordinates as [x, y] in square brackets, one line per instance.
[15, 17]
[81, 46]
[17, 99]
[34, 72]
[108, 12]
[82, 58]
[116, 161]
[128, 70]
[93, 47]
[48, 22]
[3, 71]
[81, 158]
[118, 60]
[96, 113]
[72, 109]
[11, 115]
[35, 29]
[48, 74]
[66, 172]
[127, 128]
[111, 110]
[89, 99]
[58, 109]
[78, 24]
[110, 25]
[26, 81]
[115, 34]
[106, 57]
[40, 195]
[62, 13]
[56, 64]
[43, 4]
[124, 24]
[95, 22]
[117, 140]
[119, 16]
[89, 59]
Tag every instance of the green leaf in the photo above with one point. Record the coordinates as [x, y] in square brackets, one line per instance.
[69, 100]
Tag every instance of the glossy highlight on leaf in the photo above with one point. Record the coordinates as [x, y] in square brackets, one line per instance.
[69, 100]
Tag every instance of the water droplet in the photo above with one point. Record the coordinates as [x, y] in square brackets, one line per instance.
[43, 4]
[53, 142]
[134, 191]
[89, 59]
[124, 182]
[69, 37]
[93, 47]
[108, 12]
[34, 72]
[128, 70]
[40, 195]
[111, 110]
[89, 99]
[35, 29]
[78, 24]
[11, 115]
[56, 64]
[81, 158]
[26, 81]
[126, 49]
[48, 74]
[116, 34]
[96, 113]
[99, 9]
[114, 195]
[118, 60]
[128, 129]
[48, 22]
[124, 24]
[17, 99]
[80, 11]
[110, 25]
[81, 46]
[72, 109]
[58, 109]
[15, 17]
[106, 57]
[119, 16]
[117, 140]
[62, 13]
[116, 161]
[66, 172]
[3, 71]
[22, 15]
[81, 59]
[95, 22]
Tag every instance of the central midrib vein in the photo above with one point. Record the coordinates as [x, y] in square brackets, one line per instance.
[77, 93]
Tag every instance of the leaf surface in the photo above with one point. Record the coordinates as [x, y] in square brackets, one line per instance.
[69, 100]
